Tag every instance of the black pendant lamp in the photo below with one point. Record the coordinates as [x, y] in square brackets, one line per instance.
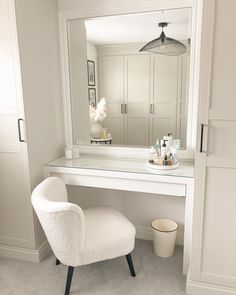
[165, 45]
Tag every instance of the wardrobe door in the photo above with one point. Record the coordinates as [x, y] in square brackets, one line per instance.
[214, 239]
[137, 96]
[111, 86]
[165, 96]
[16, 220]
[182, 103]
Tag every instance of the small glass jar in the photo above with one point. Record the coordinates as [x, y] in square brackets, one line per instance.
[76, 152]
[69, 153]
[104, 133]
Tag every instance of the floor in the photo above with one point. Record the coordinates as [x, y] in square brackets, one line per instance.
[155, 275]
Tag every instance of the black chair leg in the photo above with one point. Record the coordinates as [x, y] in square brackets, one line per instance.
[69, 279]
[58, 262]
[131, 266]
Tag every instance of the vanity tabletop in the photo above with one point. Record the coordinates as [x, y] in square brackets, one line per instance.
[185, 169]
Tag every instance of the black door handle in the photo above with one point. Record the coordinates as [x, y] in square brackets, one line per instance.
[202, 137]
[19, 130]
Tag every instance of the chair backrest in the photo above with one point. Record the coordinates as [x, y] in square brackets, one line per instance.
[62, 222]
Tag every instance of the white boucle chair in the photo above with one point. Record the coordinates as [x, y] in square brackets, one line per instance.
[80, 237]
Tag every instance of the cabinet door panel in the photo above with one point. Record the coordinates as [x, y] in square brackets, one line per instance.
[113, 110]
[162, 127]
[7, 92]
[16, 216]
[222, 139]
[111, 86]
[114, 126]
[8, 130]
[165, 78]
[165, 110]
[219, 242]
[138, 78]
[138, 110]
[111, 78]
[15, 201]
[137, 132]
[137, 99]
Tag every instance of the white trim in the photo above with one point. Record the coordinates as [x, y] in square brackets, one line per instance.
[196, 288]
[222, 115]
[208, 11]
[125, 152]
[213, 161]
[24, 253]
[65, 78]
[139, 6]
[43, 250]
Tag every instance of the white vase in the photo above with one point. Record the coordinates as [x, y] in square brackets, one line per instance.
[96, 129]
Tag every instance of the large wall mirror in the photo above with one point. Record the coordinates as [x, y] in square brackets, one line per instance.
[144, 94]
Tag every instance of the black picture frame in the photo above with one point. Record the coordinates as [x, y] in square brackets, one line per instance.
[92, 96]
[91, 72]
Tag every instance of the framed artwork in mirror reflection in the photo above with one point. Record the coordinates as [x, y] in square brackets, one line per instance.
[92, 96]
[91, 72]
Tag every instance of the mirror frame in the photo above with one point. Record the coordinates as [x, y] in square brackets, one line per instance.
[140, 6]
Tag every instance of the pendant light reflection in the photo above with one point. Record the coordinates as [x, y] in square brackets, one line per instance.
[165, 45]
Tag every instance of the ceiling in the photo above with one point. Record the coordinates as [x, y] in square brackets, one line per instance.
[142, 27]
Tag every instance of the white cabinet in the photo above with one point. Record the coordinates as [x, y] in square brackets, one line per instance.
[165, 96]
[146, 94]
[213, 267]
[22, 154]
[137, 99]
[169, 97]
[111, 86]
[124, 82]
[15, 209]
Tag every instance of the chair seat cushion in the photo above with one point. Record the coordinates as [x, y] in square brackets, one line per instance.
[108, 234]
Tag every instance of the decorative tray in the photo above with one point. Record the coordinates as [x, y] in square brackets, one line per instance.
[160, 167]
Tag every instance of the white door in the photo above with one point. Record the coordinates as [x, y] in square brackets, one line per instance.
[165, 95]
[137, 99]
[214, 238]
[182, 103]
[16, 220]
[111, 86]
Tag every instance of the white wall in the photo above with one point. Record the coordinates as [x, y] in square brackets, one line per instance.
[37, 28]
[141, 209]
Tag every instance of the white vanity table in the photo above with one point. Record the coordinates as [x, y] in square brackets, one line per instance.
[130, 175]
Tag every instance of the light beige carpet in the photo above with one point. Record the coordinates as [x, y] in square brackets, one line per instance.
[155, 276]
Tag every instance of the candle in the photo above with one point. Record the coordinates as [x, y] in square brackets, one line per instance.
[68, 153]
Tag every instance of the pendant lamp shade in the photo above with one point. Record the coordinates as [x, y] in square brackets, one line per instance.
[165, 45]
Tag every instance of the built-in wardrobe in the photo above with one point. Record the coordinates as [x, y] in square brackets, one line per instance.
[31, 132]
[213, 261]
[146, 94]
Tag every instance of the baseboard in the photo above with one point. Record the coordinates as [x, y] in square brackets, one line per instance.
[146, 234]
[199, 288]
[24, 253]
[43, 250]
[38, 254]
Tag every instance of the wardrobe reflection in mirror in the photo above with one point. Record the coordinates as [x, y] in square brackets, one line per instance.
[120, 93]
